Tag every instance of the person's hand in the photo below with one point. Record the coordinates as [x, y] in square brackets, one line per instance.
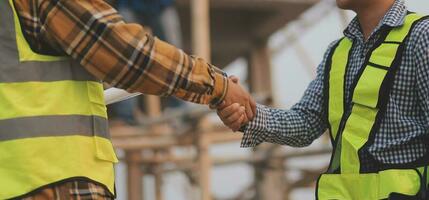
[236, 94]
[233, 116]
[238, 107]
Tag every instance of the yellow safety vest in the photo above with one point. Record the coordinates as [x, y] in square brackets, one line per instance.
[53, 121]
[351, 131]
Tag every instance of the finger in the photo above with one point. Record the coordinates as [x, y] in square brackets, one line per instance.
[229, 110]
[249, 111]
[237, 124]
[245, 119]
[235, 116]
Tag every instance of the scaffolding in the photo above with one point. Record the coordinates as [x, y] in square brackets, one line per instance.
[213, 34]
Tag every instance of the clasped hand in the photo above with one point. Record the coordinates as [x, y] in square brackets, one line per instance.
[238, 107]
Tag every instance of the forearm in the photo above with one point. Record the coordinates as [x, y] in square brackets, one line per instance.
[126, 57]
[294, 127]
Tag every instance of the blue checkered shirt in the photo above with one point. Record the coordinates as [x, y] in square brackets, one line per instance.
[401, 137]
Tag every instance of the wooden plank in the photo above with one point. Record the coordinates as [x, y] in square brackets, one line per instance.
[271, 181]
[158, 185]
[200, 16]
[205, 165]
[260, 70]
[229, 160]
[200, 28]
[223, 137]
[134, 175]
[158, 175]
[153, 106]
[150, 142]
[126, 131]
[154, 110]
[204, 159]
[144, 142]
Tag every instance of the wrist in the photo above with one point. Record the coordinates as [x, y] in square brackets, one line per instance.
[221, 82]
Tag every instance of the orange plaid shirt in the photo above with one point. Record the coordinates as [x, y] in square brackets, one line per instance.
[72, 190]
[121, 54]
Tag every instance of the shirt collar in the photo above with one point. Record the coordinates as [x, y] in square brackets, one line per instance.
[395, 17]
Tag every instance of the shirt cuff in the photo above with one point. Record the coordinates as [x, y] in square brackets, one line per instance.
[220, 87]
[256, 130]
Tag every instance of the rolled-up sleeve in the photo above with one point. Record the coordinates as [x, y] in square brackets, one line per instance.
[124, 55]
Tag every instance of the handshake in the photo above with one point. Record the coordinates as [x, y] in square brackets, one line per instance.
[238, 107]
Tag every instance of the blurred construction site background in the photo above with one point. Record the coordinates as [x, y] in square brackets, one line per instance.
[171, 150]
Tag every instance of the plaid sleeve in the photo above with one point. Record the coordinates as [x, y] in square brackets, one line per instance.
[73, 189]
[256, 131]
[295, 127]
[124, 55]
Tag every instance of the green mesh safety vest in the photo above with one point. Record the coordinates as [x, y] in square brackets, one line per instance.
[53, 121]
[351, 131]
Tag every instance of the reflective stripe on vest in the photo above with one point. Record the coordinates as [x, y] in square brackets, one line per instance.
[351, 130]
[53, 120]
